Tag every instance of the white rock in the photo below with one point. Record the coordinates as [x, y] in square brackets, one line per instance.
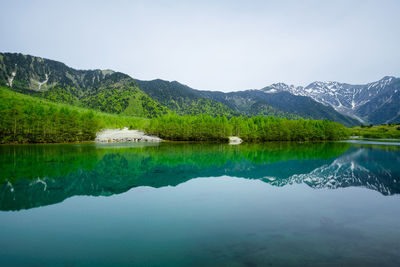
[234, 140]
[124, 135]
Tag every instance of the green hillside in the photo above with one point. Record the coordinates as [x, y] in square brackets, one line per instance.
[187, 101]
[183, 99]
[47, 101]
[115, 92]
[281, 104]
[389, 131]
[27, 119]
[104, 90]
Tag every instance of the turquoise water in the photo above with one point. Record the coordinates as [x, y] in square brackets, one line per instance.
[278, 204]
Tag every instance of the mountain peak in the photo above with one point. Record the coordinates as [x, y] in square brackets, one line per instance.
[349, 99]
[107, 71]
[275, 87]
[387, 78]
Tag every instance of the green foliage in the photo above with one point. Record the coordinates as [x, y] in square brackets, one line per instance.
[197, 106]
[182, 99]
[112, 100]
[259, 108]
[26, 119]
[389, 131]
[151, 108]
[68, 95]
[257, 129]
[127, 100]
[119, 98]
[190, 128]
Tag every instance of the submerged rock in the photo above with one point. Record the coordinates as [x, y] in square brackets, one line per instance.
[124, 135]
[234, 140]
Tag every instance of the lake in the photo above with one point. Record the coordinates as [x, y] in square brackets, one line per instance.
[183, 204]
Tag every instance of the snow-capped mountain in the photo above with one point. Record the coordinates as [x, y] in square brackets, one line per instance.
[360, 167]
[277, 87]
[359, 101]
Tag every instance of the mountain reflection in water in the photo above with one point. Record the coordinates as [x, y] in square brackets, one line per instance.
[39, 175]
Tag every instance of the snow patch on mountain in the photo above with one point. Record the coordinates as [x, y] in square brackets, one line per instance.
[11, 79]
[45, 81]
[344, 98]
[347, 170]
[271, 91]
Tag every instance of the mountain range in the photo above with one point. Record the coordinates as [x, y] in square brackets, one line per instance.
[376, 102]
[116, 92]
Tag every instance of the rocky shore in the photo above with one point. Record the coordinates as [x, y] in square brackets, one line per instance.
[234, 140]
[124, 135]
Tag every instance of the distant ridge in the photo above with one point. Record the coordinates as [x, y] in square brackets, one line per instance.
[116, 92]
[376, 102]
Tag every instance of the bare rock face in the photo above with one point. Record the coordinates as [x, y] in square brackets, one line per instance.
[234, 140]
[124, 135]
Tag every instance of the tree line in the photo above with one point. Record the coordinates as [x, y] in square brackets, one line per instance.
[27, 119]
[254, 129]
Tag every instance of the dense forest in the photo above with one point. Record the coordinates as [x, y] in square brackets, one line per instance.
[182, 99]
[256, 129]
[121, 97]
[27, 119]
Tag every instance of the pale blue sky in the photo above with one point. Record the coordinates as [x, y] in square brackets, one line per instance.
[214, 45]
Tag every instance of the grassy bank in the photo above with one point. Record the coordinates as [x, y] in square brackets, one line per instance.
[378, 131]
[27, 119]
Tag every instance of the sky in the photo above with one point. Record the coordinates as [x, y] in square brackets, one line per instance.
[211, 44]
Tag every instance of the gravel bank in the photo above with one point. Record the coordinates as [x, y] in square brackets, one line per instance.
[124, 135]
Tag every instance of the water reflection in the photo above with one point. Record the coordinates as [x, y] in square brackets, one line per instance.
[38, 175]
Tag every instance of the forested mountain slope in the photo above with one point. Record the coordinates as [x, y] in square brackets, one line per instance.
[183, 99]
[180, 98]
[253, 102]
[104, 90]
[115, 92]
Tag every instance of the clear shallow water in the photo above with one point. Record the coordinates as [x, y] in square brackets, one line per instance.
[200, 204]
